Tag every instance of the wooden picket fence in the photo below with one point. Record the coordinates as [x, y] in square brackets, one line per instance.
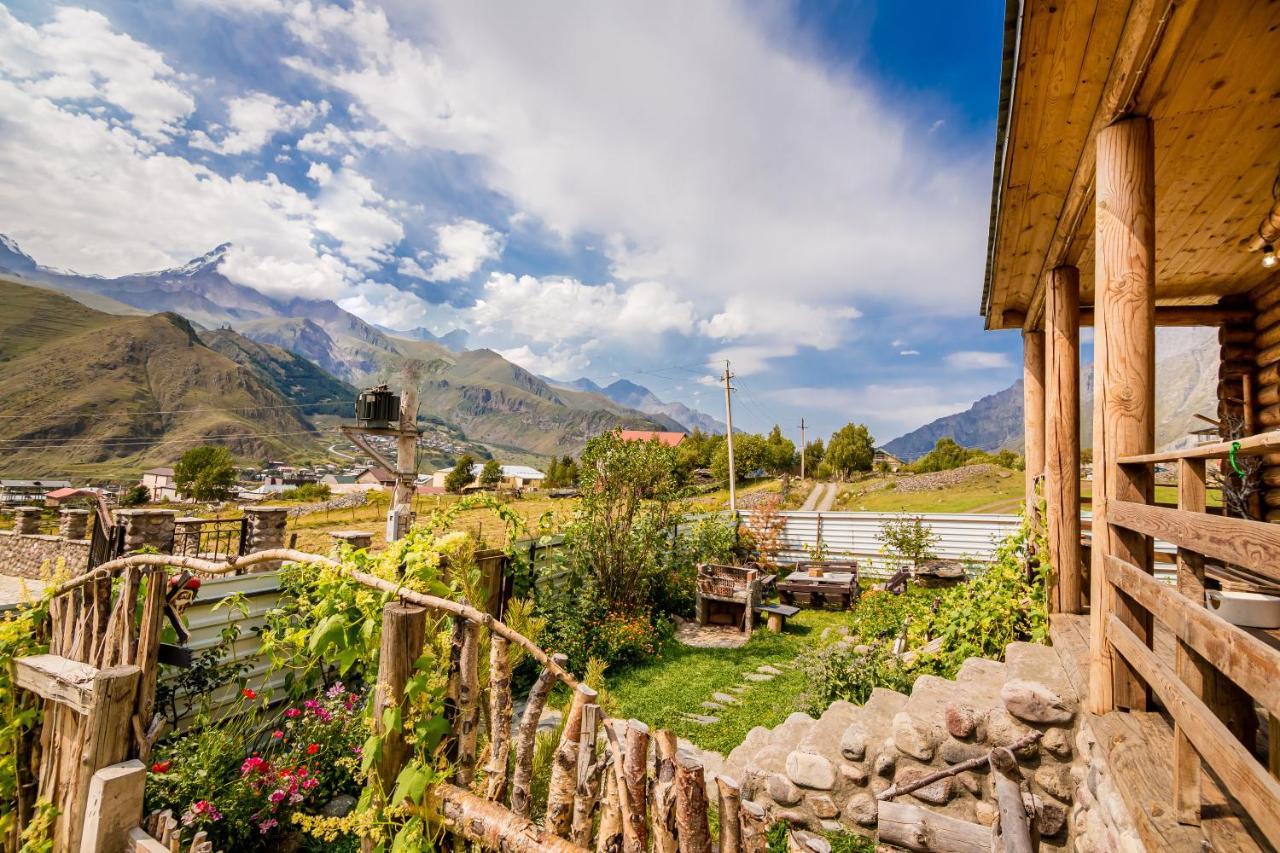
[98, 685]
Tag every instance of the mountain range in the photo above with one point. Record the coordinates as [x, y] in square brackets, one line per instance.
[315, 350]
[631, 395]
[1186, 386]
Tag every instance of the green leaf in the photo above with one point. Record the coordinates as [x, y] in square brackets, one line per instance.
[347, 658]
[372, 752]
[326, 633]
[391, 719]
[411, 784]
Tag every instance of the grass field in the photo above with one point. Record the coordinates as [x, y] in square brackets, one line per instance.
[999, 491]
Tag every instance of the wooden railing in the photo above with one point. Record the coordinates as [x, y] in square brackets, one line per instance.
[1219, 670]
[98, 683]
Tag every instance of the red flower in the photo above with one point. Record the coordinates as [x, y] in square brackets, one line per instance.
[249, 694]
[277, 734]
[313, 748]
[161, 766]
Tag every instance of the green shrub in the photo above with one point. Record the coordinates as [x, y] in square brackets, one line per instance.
[837, 671]
[308, 492]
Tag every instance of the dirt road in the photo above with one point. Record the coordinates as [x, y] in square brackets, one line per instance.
[821, 498]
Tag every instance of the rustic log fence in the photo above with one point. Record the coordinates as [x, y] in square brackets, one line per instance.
[608, 790]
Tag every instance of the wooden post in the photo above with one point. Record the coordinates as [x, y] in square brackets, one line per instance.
[692, 830]
[1033, 413]
[1062, 437]
[105, 741]
[664, 792]
[1124, 391]
[523, 773]
[564, 766]
[1193, 669]
[730, 817]
[589, 766]
[499, 718]
[635, 766]
[114, 806]
[468, 728]
[404, 630]
[149, 630]
[1016, 835]
[754, 823]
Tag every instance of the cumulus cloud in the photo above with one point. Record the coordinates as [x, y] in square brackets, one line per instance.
[978, 360]
[462, 247]
[77, 58]
[556, 362]
[253, 119]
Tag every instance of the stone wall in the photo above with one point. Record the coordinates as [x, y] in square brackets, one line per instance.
[22, 554]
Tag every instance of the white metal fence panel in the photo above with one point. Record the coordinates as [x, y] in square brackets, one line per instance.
[856, 536]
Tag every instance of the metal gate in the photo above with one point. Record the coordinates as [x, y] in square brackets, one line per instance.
[106, 542]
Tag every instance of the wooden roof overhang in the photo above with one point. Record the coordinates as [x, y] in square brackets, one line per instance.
[1208, 75]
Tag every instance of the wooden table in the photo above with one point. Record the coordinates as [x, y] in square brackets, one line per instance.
[839, 587]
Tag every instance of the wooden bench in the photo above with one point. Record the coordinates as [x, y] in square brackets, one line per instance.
[778, 615]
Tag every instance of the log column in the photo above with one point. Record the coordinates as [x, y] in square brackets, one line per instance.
[1062, 436]
[1033, 413]
[1124, 392]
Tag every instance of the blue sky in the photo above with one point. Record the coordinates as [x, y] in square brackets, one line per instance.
[606, 189]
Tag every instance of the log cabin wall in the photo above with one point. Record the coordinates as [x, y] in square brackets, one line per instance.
[1262, 390]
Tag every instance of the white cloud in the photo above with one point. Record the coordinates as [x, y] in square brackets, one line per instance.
[331, 139]
[781, 319]
[462, 248]
[551, 310]
[253, 119]
[556, 362]
[978, 360]
[389, 306]
[77, 58]
[909, 352]
[733, 178]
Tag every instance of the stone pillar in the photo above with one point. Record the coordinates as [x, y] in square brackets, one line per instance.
[74, 524]
[26, 520]
[266, 532]
[186, 536]
[357, 539]
[145, 528]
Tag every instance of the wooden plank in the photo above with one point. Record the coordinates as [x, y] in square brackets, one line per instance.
[1247, 780]
[58, 679]
[917, 828]
[1242, 657]
[105, 739]
[1191, 667]
[1254, 445]
[141, 842]
[1255, 545]
[114, 806]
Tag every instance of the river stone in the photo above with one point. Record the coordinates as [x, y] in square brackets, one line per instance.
[862, 809]
[854, 773]
[1035, 703]
[782, 791]
[954, 751]
[339, 806]
[913, 740]
[810, 770]
[823, 806]
[985, 813]
[853, 744]
[961, 721]
[724, 698]
[1056, 780]
[937, 793]
[887, 760]
[1057, 743]
[1004, 730]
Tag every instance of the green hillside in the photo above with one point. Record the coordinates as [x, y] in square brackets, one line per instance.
[97, 395]
[289, 375]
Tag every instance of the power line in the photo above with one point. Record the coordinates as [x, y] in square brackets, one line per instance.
[25, 444]
[186, 411]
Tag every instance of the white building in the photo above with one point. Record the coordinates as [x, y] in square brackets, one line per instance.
[513, 476]
[160, 484]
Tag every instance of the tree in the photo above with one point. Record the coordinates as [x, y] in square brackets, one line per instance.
[749, 453]
[780, 452]
[568, 472]
[135, 495]
[205, 473]
[946, 454]
[851, 449]
[491, 474]
[813, 454]
[460, 477]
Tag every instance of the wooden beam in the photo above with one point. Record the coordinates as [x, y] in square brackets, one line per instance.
[1124, 388]
[1062, 438]
[489, 824]
[1242, 657]
[916, 828]
[58, 679]
[1033, 414]
[1254, 445]
[1247, 780]
[106, 739]
[1253, 545]
[1194, 670]
[1187, 315]
[1144, 31]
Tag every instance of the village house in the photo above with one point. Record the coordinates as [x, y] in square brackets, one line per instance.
[159, 484]
[883, 460]
[18, 492]
[670, 439]
[513, 477]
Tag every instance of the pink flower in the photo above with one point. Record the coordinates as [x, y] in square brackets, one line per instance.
[200, 810]
[268, 825]
[253, 764]
[293, 712]
[277, 734]
[277, 796]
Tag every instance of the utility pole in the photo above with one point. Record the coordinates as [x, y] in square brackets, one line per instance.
[728, 418]
[802, 450]
[401, 512]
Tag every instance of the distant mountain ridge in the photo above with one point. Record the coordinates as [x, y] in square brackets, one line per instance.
[1186, 385]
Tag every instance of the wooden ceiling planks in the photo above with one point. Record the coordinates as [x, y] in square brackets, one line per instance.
[1213, 90]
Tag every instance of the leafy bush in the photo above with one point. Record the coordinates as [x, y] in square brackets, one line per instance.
[837, 671]
[460, 477]
[907, 538]
[205, 473]
[135, 495]
[947, 454]
[308, 492]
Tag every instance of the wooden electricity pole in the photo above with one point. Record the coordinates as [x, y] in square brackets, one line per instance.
[802, 450]
[728, 418]
[400, 516]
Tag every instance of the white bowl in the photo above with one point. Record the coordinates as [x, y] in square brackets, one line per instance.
[1248, 609]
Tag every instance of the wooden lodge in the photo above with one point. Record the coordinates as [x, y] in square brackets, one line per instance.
[1136, 183]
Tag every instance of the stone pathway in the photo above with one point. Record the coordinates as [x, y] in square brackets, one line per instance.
[15, 591]
[705, 715]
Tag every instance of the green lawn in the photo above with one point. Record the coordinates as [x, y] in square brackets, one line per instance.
[999, 491]
[682, 677]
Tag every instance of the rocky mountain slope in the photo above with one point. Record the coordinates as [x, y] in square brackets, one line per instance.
[92, 393]
[1186, 383]
[289, 375]
[639, 397]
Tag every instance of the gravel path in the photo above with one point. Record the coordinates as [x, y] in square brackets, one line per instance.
[821, 498]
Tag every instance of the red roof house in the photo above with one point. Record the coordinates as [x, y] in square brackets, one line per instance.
[670, 439]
